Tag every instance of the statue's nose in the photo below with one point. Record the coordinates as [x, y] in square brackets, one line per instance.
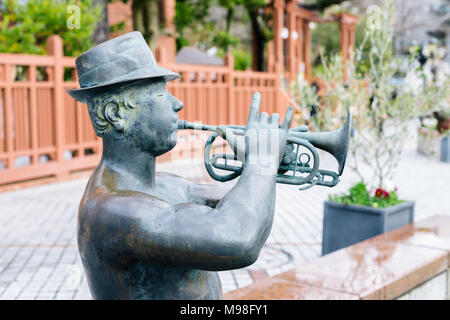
[177, 104]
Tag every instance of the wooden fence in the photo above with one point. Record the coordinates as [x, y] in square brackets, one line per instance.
[44, 132]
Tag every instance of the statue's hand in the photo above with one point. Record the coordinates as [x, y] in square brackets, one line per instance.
[264, 141]
[289, 156]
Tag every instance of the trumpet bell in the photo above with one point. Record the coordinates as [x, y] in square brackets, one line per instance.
[334, 142]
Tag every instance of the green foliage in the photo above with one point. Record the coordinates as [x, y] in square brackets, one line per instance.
[188, 12]
[242, 59]
[324, 38]
[193, 26]
[24, 28]
[224, 39]
[325, 43]
[359, 195]
[191, 20]
[322, 4]
[117, 28]
[190, 15]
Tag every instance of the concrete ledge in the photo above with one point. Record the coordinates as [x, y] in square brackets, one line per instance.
[411, 262]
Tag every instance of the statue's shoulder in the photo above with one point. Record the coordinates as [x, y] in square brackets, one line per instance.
[119, 202]
[103, 203]
[163, 177]
[105, 212]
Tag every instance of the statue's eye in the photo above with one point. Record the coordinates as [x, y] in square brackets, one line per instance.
[160, 94]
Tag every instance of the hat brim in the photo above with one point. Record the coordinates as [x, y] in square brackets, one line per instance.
[82, 94]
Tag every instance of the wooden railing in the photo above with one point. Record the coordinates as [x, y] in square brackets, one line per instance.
[44, 132]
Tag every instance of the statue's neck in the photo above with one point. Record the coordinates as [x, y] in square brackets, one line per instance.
[135, 168]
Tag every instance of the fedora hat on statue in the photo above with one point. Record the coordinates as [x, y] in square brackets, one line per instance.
[119, 60]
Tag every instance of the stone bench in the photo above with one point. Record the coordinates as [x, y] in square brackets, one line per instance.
[411, 262]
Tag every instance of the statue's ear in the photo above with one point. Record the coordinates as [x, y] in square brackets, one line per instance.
[115, 115]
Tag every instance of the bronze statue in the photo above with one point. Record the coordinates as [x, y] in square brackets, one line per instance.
[148, 235]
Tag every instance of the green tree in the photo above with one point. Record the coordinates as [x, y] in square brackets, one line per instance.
[325, 43]
[262, 32]
[320, 5]
[24, 28]
[224, 39]
[101, 32]
[146, 19]
[190, 15]
[193, 15]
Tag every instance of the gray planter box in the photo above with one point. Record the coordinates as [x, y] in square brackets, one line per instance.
[344, 225]
[445, 149]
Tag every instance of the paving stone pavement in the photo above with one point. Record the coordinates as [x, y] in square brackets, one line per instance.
[39, 256]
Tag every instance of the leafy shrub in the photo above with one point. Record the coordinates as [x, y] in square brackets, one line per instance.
[242, 59]
[24, 28]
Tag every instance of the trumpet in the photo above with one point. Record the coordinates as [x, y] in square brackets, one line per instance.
[334, 142]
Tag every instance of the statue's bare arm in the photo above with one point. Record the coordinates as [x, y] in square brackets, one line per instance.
[229, 236]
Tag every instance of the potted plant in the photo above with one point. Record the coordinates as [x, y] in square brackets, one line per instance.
[383, 93]
[359, 214]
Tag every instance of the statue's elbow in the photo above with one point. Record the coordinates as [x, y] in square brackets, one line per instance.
[251, 257]
[247, 252]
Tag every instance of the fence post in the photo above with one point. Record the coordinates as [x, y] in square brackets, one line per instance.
[160, 55]
[347, 37]
[55, 48]
[9, 143]
[270, 57]
[278, 90]
[33, 114]
[229, 62]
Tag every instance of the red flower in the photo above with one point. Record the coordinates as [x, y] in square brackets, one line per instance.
[379, 193]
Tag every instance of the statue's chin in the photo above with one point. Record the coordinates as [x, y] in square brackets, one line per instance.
[173, 138]
[169, 145]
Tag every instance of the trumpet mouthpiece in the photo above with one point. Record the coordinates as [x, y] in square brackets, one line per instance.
[181, 124]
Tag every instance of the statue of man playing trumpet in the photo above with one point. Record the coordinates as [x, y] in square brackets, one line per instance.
[148, 235]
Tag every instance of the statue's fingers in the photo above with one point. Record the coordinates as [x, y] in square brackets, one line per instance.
[302, 128]
[221, 130]
[288, 118]
[254, 108]
[289, 148]
[227, 134]
[264, 117]
[275, 120]
[289, 158]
